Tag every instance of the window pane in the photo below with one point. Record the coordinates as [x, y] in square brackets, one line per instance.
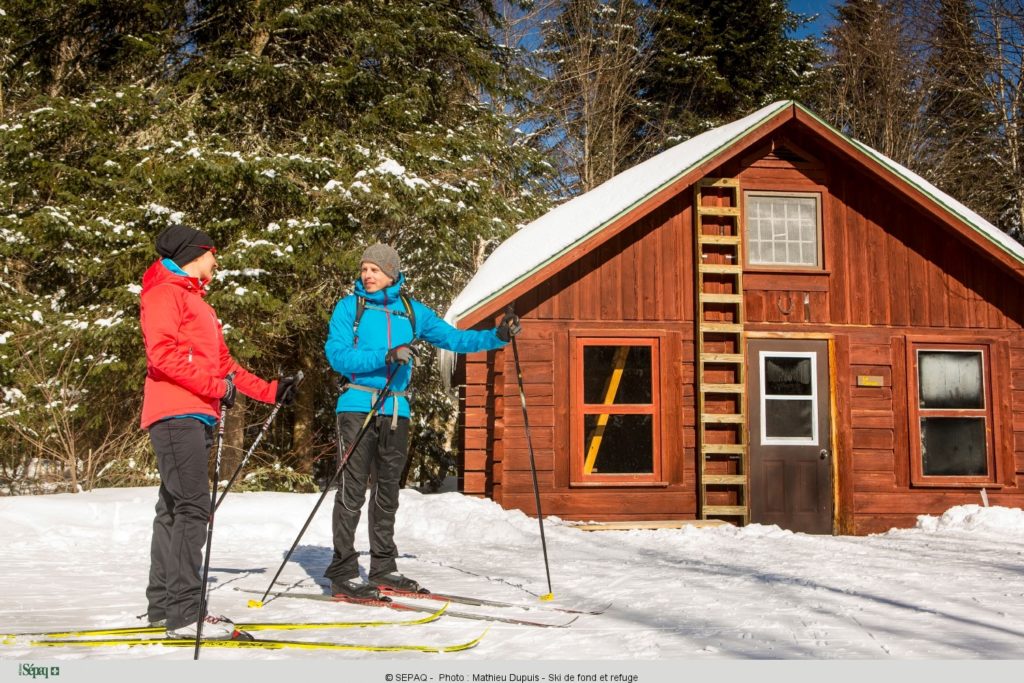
[624, 446]
[786, 376]
[782, 230]
[953, 446]
[950, 379]
[617, 375]
[788, 419]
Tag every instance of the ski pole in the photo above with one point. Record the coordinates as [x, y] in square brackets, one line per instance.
[259, 437]
[209, 533]
[533, 466]
[374, 409]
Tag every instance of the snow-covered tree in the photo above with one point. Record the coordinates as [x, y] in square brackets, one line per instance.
[295, 133]
[713, 61]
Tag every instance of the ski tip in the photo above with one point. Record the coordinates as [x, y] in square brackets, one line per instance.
[255, 604]
[547, 597]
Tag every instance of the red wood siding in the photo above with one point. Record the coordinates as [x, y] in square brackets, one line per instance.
[891, 270]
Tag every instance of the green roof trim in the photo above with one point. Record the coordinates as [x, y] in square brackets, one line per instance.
[956, 209]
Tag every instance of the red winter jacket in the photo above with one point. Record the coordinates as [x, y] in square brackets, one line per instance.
[186, 357]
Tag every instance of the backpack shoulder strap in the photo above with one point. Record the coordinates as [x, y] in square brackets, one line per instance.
[409, 312]
[360, 307]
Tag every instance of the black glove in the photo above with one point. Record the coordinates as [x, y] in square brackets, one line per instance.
[228, 399]
[286, 390]
[509, 327]
[401, 354]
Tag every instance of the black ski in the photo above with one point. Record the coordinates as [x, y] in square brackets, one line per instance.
[483, 602]
[424, 594]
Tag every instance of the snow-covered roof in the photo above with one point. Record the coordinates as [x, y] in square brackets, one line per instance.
[556, 232]
[559, 230]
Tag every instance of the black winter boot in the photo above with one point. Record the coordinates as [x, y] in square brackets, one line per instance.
[350, 589]
[397, 582]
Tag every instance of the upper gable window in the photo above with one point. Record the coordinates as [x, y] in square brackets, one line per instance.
[783, 230]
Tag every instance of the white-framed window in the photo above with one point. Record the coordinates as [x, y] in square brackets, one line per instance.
[783, 229]
[789, 398]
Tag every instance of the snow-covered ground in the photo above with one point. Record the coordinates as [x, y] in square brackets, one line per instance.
[953, 588]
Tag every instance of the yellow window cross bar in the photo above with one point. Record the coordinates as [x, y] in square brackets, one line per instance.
[611, 388]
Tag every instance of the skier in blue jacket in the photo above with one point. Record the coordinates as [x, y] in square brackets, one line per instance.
[369, 341]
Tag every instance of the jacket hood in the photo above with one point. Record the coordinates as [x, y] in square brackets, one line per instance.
[158, 274]
[381, 296]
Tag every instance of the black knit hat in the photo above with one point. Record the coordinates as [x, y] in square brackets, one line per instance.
[182, 244]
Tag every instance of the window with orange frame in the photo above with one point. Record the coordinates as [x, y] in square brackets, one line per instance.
[616, 419]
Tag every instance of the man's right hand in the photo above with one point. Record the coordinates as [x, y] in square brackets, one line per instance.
[228, 399]
[401, 354]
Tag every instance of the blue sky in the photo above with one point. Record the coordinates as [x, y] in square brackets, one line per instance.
[823, 8]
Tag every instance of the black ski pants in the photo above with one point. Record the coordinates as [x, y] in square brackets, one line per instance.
[378, 459]
[182, 448]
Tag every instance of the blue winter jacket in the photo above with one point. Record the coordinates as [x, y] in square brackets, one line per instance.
[361, 360]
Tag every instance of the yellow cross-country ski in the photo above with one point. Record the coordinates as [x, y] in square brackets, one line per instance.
[258, 644]
[10, 638]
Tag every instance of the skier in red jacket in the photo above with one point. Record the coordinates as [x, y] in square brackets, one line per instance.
[190, 376]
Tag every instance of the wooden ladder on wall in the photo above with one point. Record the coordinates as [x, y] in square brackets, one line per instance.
[721, 365]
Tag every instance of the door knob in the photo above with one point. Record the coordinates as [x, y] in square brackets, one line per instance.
[823, 453]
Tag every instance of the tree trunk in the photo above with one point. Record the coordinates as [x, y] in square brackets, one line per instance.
[259, 42]
[234, 437]
[305, 414]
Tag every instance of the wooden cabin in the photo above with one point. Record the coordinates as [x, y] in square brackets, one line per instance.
[769, 323]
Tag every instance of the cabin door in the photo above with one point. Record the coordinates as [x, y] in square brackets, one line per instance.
[790, 448]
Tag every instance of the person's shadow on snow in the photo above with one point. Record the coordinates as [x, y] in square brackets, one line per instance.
[314, 560]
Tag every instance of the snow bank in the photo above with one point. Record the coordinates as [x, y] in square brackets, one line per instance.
[440, 518]
[976, 518]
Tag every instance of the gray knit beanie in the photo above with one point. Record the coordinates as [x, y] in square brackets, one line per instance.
[385, 258]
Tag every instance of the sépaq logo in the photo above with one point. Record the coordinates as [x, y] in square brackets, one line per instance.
[38, 671]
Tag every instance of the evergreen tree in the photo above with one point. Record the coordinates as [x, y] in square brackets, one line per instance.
[295, 133]
[713, 61]
[65, 48]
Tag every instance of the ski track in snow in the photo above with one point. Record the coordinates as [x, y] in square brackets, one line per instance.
[948, 590]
